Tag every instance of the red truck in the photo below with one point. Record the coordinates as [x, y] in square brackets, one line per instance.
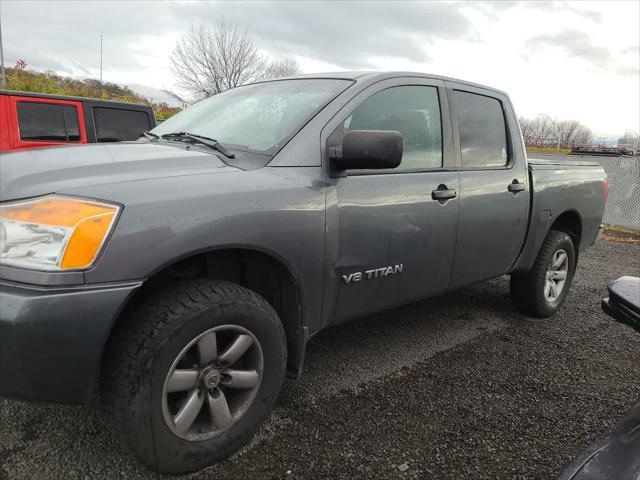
[30, 120]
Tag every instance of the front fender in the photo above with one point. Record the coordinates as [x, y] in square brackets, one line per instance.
[278, 211]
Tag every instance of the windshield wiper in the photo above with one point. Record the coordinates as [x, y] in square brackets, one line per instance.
[209, 142]
[149, 135]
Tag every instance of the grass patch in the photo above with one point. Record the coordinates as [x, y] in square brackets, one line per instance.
[549, 150]
[621, 234]
[617, 229]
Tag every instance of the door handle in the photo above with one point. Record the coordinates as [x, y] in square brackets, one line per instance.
[443, 193]
[515, 187]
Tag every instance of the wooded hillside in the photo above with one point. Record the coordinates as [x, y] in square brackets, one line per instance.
[20, 78]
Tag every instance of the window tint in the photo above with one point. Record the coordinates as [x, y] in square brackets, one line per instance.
[115, 125]
[48, 122]
[414, 111]
[483, 135]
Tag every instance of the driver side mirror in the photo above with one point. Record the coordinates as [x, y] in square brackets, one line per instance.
[368, 150]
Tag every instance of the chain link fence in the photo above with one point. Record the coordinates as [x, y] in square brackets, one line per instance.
[623, 207]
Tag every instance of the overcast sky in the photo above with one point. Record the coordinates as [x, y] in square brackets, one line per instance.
[570, 60]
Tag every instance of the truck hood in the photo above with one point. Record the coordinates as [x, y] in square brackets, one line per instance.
[40, 171]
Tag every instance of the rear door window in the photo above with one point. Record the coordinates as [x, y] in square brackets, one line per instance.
[117, 125]
[483, 132]
[47, 122]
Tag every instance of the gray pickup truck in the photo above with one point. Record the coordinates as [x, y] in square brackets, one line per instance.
[180, 277]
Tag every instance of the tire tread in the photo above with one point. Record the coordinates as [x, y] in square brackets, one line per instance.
[129, 356]
[524, 287]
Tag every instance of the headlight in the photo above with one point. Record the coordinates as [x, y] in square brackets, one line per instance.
[54, 233]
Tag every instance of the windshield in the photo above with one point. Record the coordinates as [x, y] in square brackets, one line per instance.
[256, 117]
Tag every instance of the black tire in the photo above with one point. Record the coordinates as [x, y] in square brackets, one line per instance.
[141, 353]
[527, 289]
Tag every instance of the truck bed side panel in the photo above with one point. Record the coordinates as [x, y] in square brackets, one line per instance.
[557, 188]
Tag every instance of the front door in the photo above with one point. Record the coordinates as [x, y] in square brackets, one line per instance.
[391, 240]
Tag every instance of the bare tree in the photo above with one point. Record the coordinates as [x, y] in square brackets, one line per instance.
[282, 67]
[209, 60]
[543, 131]
[529, 132]
[573, 133]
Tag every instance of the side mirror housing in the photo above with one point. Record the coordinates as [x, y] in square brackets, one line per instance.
[368, 150]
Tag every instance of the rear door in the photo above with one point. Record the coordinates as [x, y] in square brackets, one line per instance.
[119, 124]
[494, 189]
[43, 122]
[388, 241]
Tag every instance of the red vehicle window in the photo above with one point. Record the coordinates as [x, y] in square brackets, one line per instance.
[117, 125]
[41, 122]
[48, 122]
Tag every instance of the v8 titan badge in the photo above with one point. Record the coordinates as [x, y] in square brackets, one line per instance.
[373, 273]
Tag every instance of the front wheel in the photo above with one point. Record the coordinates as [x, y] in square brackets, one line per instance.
[192, 372]
[541, 291]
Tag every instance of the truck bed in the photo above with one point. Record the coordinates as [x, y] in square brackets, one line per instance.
[536, 163]
[573, 187]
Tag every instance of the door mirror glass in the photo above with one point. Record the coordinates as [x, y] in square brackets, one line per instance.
[368, 149]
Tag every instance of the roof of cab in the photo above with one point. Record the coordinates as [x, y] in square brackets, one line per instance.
[112, 103]
[357, 76]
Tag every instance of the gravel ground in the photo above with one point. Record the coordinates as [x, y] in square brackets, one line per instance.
[459, 386]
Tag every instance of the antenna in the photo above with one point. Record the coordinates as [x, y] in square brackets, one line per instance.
[3, 77]
[100, 66]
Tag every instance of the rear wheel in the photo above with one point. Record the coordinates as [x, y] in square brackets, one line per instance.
[192, 372]
[541, 291]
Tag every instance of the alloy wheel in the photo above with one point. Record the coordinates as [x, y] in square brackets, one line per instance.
[212, 382]
[556, 276]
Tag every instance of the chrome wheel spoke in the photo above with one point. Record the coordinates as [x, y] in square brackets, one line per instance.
[560, 275]
[207, 348]
[240, 378]
[559, 259]
[235, 350]
[182, 380]
[556, 276]
[219, 409]
[188, 412]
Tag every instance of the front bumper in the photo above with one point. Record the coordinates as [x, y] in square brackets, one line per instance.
[52, 338]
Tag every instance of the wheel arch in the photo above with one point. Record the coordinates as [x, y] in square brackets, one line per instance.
[569, 222]
[264, 272]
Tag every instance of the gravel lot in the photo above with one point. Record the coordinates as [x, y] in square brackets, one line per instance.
[459, 386]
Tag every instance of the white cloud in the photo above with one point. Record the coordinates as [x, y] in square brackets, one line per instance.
[573, 60]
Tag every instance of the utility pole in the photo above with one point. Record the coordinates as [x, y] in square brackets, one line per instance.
[100, 95]
[3, 75]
